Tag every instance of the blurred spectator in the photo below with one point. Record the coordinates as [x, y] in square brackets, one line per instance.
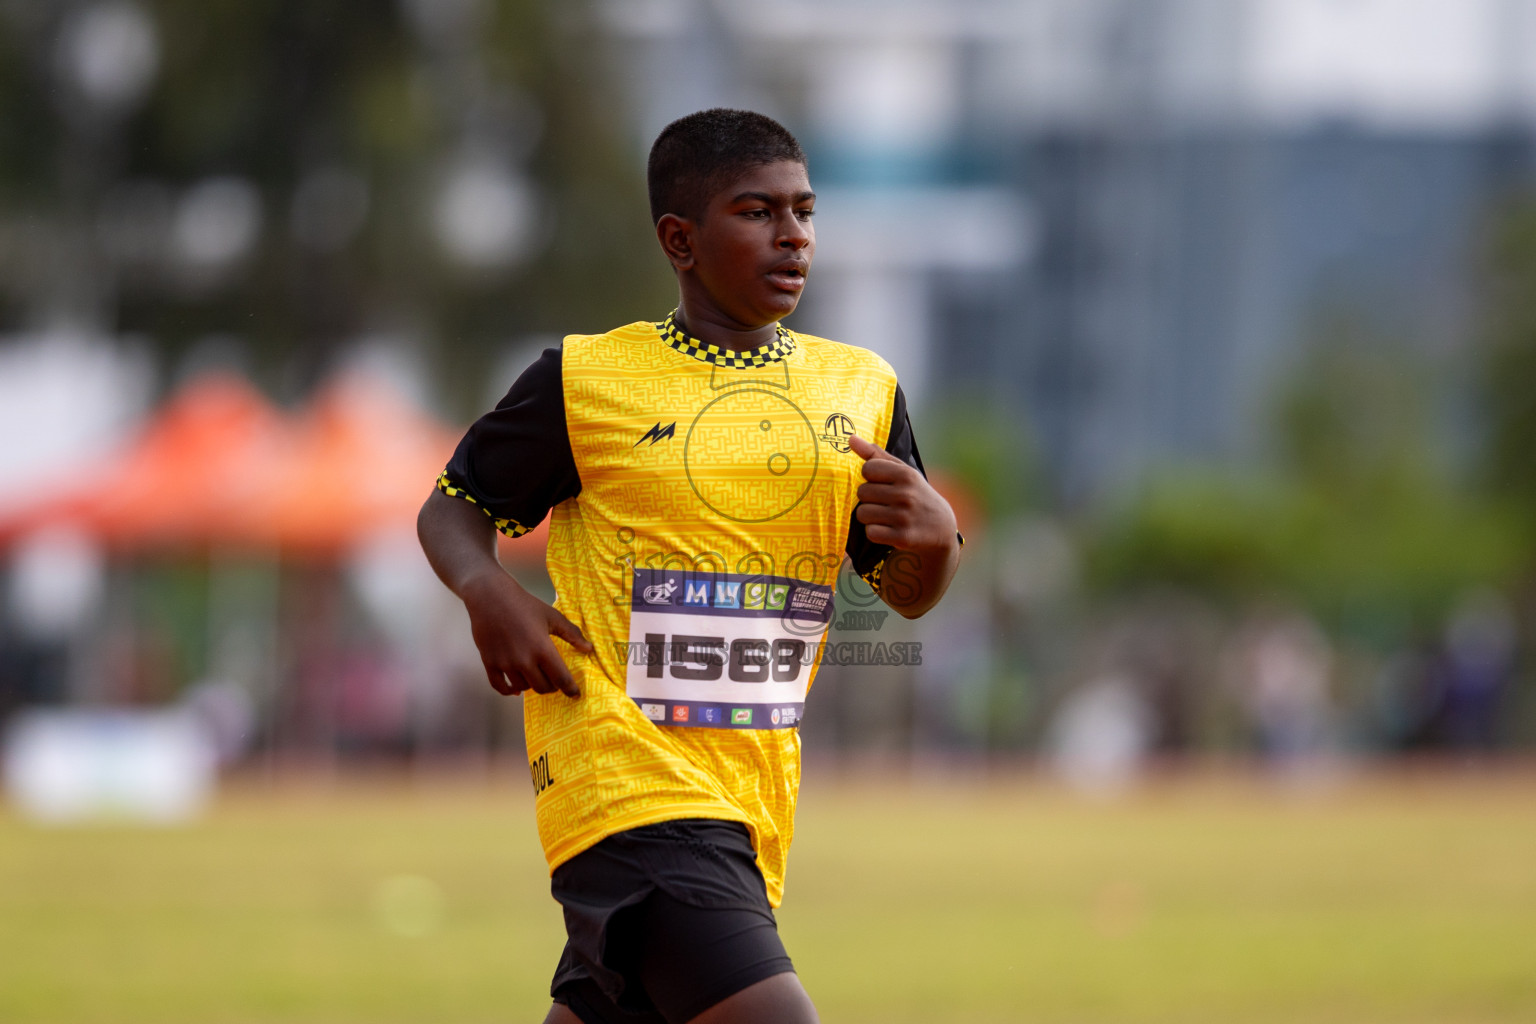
[1286, 662]
[226, 715]
[1101, 734]
[1475, 669]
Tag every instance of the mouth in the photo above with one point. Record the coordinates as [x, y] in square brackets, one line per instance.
[789, 276]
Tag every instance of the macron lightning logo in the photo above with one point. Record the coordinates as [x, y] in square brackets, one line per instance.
[657, 433]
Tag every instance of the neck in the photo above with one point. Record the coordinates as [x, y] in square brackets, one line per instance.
[714, 328]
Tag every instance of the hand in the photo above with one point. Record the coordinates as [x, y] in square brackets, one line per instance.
[512, 630]
[898, 506]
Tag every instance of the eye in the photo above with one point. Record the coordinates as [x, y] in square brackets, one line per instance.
[805, 214]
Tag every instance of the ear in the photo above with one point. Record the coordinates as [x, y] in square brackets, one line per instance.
[676, 237]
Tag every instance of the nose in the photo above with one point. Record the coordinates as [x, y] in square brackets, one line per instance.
[794, 233]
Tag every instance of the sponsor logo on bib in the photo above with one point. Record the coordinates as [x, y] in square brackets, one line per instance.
[661, 593]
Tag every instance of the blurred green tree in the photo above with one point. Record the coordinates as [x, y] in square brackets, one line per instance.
[1509, 364]
[980, 441]
[303, 172]
[1360, 516]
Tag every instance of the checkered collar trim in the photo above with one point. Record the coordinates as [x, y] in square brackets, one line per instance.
[779, 348]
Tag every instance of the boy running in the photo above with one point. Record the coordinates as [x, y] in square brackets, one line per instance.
[704, 476]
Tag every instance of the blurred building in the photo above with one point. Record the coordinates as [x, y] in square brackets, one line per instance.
[1127, 217]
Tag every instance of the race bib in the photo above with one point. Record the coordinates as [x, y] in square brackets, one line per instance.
[722, 650]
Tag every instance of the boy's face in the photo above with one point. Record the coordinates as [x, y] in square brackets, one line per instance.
[751, 251]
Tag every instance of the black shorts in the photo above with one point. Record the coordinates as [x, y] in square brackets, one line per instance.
[663, 922]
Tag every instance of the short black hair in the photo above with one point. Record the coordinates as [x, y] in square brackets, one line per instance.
[696, 156]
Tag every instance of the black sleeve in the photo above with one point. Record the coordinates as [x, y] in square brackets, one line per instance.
[515, 462]
[868, 557]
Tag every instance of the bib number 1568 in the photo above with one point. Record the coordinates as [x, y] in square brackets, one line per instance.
[708, 657]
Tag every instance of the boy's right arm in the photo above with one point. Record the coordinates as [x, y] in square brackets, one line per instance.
[511, 627]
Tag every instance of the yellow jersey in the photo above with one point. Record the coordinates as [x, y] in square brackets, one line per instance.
[701, 504]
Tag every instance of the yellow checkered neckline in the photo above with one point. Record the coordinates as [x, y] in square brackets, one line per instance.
[777, 349]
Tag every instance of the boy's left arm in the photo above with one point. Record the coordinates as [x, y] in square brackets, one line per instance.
[899, 507]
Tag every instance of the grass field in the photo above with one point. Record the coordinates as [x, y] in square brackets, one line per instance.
[1401, 899]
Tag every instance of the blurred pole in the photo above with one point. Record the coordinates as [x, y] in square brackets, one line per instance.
[243, 605]
[106, 55]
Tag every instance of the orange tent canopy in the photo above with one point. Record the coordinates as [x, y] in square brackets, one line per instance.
[362, 460]
[217, 465]
[174, 484]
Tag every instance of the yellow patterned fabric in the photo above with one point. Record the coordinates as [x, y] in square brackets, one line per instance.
[699, 558]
